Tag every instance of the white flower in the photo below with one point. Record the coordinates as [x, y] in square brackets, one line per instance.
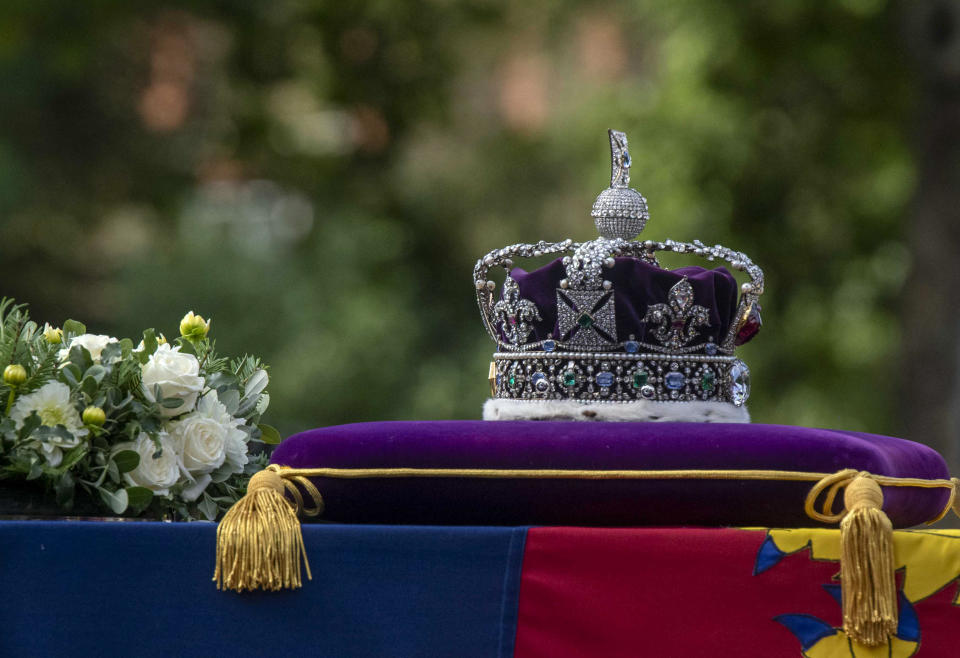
[176, 374]
[93, 342]
[200, 440]
[210, 437]
[158, 474]
[54, 407]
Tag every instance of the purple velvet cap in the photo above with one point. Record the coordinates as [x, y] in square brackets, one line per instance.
[636, 286]
[599, 446]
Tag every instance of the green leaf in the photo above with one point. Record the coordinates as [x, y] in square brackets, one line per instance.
[96, 372]
[150, 425]
[111, 352]
[223, 380]
[150, 341]
[263, 403]
[115, 500]
[80, 357]
[126, 460]
[247, 406]
[113, 471]
[126, 347]
[30, 423]
[171, 403]
[28, 331]
[74, 328]
[64, 490]
[186, 347]
[222, 474]
[208, 508]
[70, 375]
[89, 386]
[269, 434]
[256, 384]
[73, 456]
[138, 498]
[231, 400]
[36, 469]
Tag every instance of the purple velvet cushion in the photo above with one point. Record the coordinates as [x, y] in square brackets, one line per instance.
[573, 445]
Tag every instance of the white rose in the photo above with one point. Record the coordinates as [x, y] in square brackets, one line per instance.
[54, 407]
[200, 442]
[235, 440]
[158, 474]
[93, 342]
[176, 374]
[236, 450]
[212, 412]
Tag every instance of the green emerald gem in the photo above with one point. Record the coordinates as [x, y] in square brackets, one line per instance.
[569, 378]
[639, 378]
[585, 321]
[708, 381]
[512, 381]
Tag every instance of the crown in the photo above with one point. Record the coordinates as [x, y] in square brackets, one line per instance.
[604, 332]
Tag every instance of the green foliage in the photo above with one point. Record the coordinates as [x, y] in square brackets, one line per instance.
[323, 177]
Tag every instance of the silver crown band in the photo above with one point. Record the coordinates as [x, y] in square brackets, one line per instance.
[619, 377]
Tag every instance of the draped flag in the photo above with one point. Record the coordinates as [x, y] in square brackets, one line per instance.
[97, 588]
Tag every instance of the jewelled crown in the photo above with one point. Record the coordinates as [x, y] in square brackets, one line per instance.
[606, 324]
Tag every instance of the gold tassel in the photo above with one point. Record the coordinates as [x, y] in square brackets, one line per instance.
[867, 569]
[259, 543]
[955, 496]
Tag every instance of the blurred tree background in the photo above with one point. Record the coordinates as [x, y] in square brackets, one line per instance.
[319, 178]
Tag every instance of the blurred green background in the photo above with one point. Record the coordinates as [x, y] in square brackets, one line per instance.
[319, 178]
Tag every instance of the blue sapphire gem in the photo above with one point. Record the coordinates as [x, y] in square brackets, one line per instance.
[605, 379]
[540, 383]
[549, 345]
[674, 380]
[710, 348]
[631, 346]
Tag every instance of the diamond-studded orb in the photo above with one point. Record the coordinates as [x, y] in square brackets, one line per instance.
[620, 212]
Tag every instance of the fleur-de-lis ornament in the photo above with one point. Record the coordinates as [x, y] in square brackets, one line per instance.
[678, 319]
[515, 315]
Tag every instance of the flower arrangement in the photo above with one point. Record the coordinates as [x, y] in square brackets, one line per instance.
[159, 427]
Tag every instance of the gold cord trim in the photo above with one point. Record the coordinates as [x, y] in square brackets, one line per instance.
[830, 483]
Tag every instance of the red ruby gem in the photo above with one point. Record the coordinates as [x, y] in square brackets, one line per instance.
[750, 326]
[513, 319]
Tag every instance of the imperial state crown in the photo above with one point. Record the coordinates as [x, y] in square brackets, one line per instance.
[606, 333]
